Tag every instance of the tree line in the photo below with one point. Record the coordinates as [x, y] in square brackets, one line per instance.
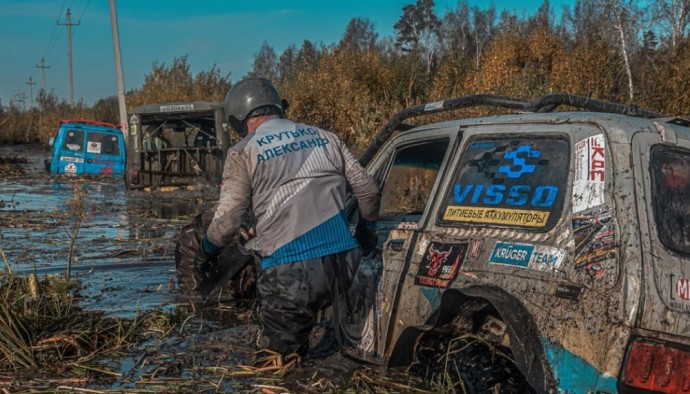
[616, 50]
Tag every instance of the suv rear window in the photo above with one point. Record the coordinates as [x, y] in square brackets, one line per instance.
[509, 182]
[671, 197]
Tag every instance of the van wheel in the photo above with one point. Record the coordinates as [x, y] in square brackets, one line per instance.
[472, 366]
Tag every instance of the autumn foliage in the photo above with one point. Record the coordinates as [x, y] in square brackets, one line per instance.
[354, 86]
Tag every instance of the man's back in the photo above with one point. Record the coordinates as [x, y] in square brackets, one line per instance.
[298, 180]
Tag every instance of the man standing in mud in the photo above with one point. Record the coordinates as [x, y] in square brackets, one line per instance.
[294, 178]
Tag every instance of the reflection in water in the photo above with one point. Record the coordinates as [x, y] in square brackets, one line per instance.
[123, 253]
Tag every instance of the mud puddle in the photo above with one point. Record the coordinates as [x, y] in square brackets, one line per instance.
[121, 244]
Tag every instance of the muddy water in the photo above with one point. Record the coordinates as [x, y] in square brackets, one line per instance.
[122, 245]
[123, 241]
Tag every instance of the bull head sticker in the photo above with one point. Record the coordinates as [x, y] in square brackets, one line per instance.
[436, 259]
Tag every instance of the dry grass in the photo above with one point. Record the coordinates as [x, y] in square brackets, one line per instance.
[49, 344]
[43, 331]
[11, 166]
[41, 326]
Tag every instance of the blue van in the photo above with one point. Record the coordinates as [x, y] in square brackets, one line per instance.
[87, 147]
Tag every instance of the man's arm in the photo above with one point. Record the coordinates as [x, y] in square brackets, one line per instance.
[363, 185]
[235, 199]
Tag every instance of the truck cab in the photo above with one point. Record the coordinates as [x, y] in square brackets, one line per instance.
[176, 145]
[87, 147]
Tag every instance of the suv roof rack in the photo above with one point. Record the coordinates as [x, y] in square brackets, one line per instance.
[550, 102]
[90, 122]
[546, 103]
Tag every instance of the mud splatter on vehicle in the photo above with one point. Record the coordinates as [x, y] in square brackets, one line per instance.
[551, 245]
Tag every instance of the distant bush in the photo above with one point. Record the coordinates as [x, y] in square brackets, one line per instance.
[353, 87]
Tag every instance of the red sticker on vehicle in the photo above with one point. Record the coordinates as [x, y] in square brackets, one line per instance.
[440, 264]
[679, 292]
[476, 248]
[683, 288]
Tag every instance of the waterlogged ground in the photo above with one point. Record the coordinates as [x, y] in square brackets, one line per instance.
[120, 244]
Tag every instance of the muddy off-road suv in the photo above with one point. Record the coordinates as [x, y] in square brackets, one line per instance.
[533, 251]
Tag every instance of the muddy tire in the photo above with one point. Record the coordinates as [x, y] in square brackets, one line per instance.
[484, 371]
[473, 366]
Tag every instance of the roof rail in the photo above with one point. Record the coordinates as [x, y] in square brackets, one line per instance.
[550, 102]
[546, 103]
[91, 122]
[396, 122]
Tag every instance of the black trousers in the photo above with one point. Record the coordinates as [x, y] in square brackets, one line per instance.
[291, 295]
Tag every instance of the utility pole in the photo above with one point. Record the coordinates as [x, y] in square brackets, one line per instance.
[43, 73]
[118, 71]
[19, 98]
[69, 25]
[31, 92]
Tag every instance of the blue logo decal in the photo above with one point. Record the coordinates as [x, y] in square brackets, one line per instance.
[516, 195]
[483, 145]
[511, 254]
[519, 162]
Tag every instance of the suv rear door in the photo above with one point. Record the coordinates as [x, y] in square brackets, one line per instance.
[105, 153]
[663, 171]
[70, 157]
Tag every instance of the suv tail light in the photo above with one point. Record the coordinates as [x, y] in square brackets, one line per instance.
[656, 366]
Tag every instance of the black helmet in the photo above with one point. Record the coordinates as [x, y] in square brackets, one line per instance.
[246, 96]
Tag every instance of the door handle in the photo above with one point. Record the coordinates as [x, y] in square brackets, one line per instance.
[395, 245]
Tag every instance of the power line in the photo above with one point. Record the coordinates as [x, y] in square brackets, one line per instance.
[54, 37]
[18, 98]
[69, 25]
[31, 92]
[85, 8]
[43, 74]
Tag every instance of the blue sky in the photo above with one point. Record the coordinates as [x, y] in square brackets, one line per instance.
[226, 33]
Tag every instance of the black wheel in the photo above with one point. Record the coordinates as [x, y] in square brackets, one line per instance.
[473, 366]
[485, 370]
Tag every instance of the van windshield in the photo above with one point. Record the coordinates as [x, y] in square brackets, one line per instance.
[509, 182]
[670, 171]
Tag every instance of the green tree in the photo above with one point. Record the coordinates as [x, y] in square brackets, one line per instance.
[107, 110]
[360, 35]
[673, 18]
[466, 32]
[307, 56]
[418, 31]
[176, 83]
[165, 83]
[287, 64]
[210, 85]
[265, 63]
